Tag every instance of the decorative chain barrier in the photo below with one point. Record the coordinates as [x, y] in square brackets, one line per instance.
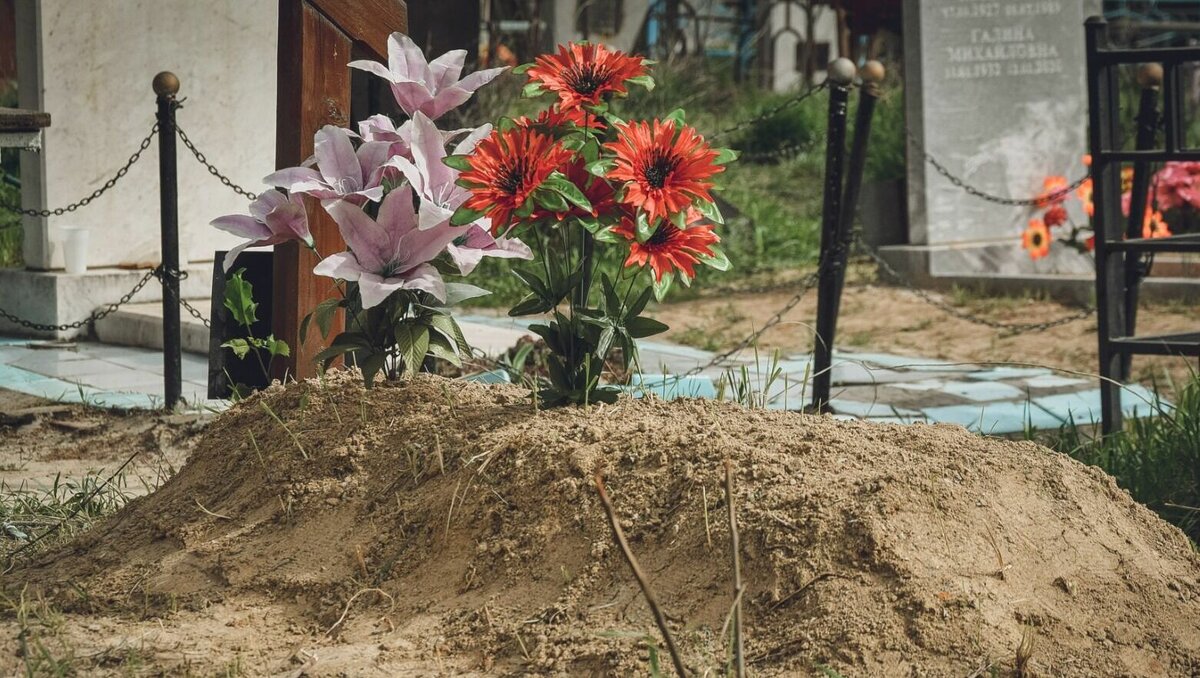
[769, 113]
[59, 211]
[950, 309]
[211, 168]
[1040, 200]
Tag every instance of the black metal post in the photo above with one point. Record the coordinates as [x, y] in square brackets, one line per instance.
[166, 86]
[1103, 103]
[1150, 79]
[841, 75]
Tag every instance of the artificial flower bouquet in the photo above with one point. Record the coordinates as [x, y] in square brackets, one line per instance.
[417, 205]
[577, 178]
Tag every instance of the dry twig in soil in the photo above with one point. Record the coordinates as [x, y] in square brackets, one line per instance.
[739, 655]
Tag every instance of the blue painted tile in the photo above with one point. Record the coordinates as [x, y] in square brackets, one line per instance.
[670, 387]
[982, 391]
[1054, 381]
[875, 409]
[993, 418]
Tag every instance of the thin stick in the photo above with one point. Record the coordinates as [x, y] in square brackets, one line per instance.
[739, 654]
[214, 515]
[351, 602]
[707, 529]
[659, 618]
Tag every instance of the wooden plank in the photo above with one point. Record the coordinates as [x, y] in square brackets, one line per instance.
[367, 22]
[21, 120]
[313, 90]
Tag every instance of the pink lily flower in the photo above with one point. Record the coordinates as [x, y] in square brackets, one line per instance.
[388, 253]
[341, 172]
[432, 88]
[430, 177]
[468, 250]
[274, 218]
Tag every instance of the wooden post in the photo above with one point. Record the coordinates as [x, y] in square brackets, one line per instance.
[316, 39]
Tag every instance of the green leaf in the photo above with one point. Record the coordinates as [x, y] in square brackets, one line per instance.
[239, 299]
[710, 211]
[457, 293]
[533, 89]
[605, 235]
[642, 229]
[324, 313]
[239, 347]
[601, 167]
[441, 348]
[639, 304]
[643, 80]
[276, 347]
[446, 326]
[520, 70]
[676, 116]
[725, 156]
[645, 327]
[412, 342]
[568, 190]
[462, 163]
[371, 364]
[680, 219]
[464, 215]
[551, 200]
[534, 283]
[661, 287]
[530, 305]
[719, 260]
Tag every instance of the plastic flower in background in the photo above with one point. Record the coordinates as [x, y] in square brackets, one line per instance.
[583, 74]
[432, 87]
[1054, 191]
[1177, 184]
[506, 168]
[670, 248]
[1055, 216]
[274, 218]
[341, 172]
[1036, 239]
[388, 253]
[1084, 193]
[1154, 226]
[666, 169]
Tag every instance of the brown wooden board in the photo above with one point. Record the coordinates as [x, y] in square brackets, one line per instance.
[316, 40]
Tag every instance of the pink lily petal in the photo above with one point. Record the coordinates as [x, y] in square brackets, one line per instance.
[373, 67]
[425, 277]
[448, 67]
[242, 225]
[373, 289]
[336, 159]
[369, 242]
[340, 266]
[292, 176]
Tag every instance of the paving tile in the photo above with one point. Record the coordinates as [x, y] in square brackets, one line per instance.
[923, 385]
[983, 391]
[852, 373]
[994, 418]
[71, 369]
[669, 387]
[869, 409]
[886, 360]
[1081, 406]
[1054, 381]
[997, 373]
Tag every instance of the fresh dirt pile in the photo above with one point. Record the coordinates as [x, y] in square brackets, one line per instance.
[446, 526]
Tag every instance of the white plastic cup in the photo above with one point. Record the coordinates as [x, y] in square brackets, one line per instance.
[75, 249]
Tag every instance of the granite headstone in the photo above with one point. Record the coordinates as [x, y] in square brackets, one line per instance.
[995, 91]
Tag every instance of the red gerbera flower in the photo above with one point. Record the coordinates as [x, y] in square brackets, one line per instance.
[670, 248]
[666, 172]
[582, 74]
[555, 119]
[506, 168]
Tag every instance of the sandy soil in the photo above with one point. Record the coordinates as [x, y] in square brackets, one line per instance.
[436, 527]
[877, 318]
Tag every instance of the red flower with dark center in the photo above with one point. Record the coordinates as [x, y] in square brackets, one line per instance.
[554, 120]
[666, 172]
[1036, 239]
[583, 74]
[670, 248]
[506, 168]
[1055, 216]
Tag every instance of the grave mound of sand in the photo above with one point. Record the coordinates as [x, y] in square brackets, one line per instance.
[449, 526]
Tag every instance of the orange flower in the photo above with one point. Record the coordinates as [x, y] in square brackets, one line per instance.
[1036, 239]
[1126, 179]
[1087, 159]
[670, 248]
[1154, 226]
[583, 74]
[666, 171]
[506, 167]
[1085, 195]
[1053, 191]
[555, 119]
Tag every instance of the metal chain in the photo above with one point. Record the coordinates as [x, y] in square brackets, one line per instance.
[211, 168]
[1039, 201]
[1009, 328]
[769, 113]
[95, 315]
[188, 307]
[59, 211]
